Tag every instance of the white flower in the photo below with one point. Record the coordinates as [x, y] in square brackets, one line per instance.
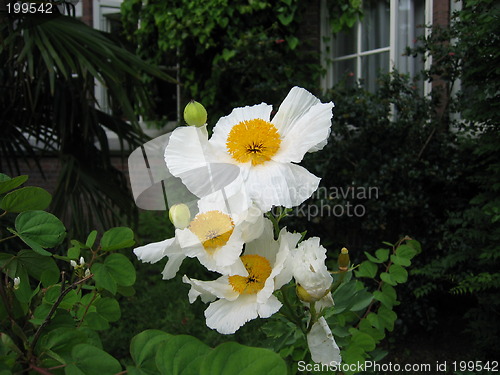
[243, 297]
[322, 345]
[73, 263]
[82, 261]
[17, 281]
[214, 236]
[263, 149]
[310, 273]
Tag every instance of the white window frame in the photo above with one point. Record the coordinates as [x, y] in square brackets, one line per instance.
[327, 44]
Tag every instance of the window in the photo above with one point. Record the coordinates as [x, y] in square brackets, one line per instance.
[376, 43]
[107, 17]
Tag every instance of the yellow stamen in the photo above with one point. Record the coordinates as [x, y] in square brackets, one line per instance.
[254, 140]
[258, 269]
[213, 228]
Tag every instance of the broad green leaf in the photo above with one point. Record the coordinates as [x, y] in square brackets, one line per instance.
[415, 245]
[116, 270]
[362, 340]
[386, 277]
[361, 300]
[143, 347]
[91, 239]
[382, 254]
[95, 321]
[108, 308]
[367, 269]
[69, 300]
[181, 355]
[73, 252]
[232, 358]
[39, 267]
[386, 317]
[406, 252]
[398, 273]
[40, 229]
[61, 341]
[117, 238]
[25, 199]
[12, 183]
[89, 360]
[400, 261]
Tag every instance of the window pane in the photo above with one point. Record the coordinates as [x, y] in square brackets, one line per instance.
[371, 67]
[345, 43]
[345, 70]
[375, 24]
[410, 19]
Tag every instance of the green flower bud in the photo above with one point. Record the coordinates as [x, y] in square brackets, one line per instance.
[303, 295]
[343, 260]
[179, 215]
[195, 114]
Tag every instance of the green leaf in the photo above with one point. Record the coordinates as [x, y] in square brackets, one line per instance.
[12, 183]
[40, 229]
[39, 267]
[362, 340]
[117, 238]
[96, 322]
[367, 269]
[232, 358]
[406, 252]
[108, 308]
[387, 296]
[361, 300]
[400, 261]
[89, 360]
[293, 42]
[116, 270]
[91, 239]
[143, 347]
[381, 255]
[26, 198]
[181, 355]
[386, 277]
[386, 317]
[398, 273]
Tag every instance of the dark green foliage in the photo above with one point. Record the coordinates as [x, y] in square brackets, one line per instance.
[47, 73]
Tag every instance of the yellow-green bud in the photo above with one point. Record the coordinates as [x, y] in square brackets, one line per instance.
[303, 295]
[195, 114]
[343, 260]
[179, 215]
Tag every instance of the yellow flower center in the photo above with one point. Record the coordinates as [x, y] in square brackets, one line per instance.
[253, 140]
[258, 269]
[213, 228]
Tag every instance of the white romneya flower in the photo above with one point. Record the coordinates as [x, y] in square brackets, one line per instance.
[246, 296]
[322, 345]
[310, 273]
[214, 236]
[265, 150]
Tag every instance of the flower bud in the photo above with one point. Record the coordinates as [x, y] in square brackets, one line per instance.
[82, 261]
[195, 114]
[87, 272]
[17, 281]
[73, 263]
[343, 260]
[179, 215]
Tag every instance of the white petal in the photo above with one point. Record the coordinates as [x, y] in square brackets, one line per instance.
[228, 316]
[264, 245]
[172, 266]
[289, 241]
[186, 150]
[294, 106]
[277, 184]
[209, 290]
[322, 345]
[153, 252]
[306, 134]
[225, 124]
[271, 306]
